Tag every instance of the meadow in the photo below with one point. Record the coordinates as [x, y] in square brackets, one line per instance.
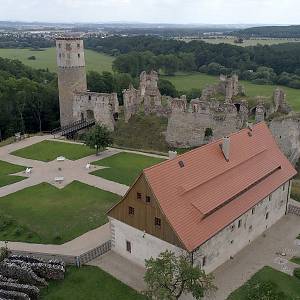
[185, 82]
[46, 59]
[250, 42]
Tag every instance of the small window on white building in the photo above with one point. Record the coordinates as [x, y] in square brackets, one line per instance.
[232, 227]
[283, 187]
[128, 246]
[267, 215]
[253, 210]
[138, 196]
[270, 197]
[232, 241]
[250, 228]
[239, 223]
[78, 55]
[203, 261]
[148, 199]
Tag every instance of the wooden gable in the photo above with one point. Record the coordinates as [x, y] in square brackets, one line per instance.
[144, 212]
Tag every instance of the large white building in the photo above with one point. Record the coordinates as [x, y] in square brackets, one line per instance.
[210, 202]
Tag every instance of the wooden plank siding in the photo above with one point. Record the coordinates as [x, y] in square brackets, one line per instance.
[144, 213]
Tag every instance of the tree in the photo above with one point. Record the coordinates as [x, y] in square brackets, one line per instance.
[99, 137]
[169, 276]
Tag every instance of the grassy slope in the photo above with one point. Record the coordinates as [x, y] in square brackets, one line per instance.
[47, 59]
[89, 283]
[45, 214]
[142, 132]
[124, 167]
[199, 81]
[6, 169]
[296, 260]
[50, 150]
[285, 283]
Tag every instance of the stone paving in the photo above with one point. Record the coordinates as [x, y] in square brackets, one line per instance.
[264, 251]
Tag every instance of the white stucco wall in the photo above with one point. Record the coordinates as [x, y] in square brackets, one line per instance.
[232, 239]
[219, 248]
[141, 247]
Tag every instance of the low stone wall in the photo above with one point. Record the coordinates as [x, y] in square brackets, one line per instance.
[292, 209]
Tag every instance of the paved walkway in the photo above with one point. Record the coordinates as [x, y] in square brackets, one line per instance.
[75, 247]
[280, 238]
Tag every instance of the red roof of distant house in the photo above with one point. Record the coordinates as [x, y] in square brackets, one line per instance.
[208, 193]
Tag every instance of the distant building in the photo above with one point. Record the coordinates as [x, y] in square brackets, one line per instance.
[210, 202]
[75, 101]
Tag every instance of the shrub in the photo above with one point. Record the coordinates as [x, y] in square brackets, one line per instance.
[297, 272]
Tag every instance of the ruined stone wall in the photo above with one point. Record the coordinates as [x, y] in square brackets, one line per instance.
[286, 131]
[188, 124]
[99, 106]
[130, 102]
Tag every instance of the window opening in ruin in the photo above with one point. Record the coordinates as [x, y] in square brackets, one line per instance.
[128, 246]
[59, 45]
[78, 55]
[82, 116]
[131, 210]
[90, 97]
[208, 132]
[78, 45]
[90, 115]
[238, 106]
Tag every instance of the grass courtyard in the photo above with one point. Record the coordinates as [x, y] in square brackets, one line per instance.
[89, 283]
[46, 59]
[284, 283]
[6, 169]
[185, 82]
[124, 167]
[45, 214]
[50, 150]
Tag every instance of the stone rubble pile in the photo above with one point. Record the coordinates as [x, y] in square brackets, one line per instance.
[22, 276]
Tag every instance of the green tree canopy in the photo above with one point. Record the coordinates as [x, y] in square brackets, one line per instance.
[99, 137]
[169, 276]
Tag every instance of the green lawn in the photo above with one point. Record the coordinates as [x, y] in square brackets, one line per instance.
[47, 59]
[6, 169]
[285, 283]
[45, 214]
[296, 260]
[50, 150]
[124, 167]
[185, 82]
[89, 283]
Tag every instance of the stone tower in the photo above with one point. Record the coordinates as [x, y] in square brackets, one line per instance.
[71, 74]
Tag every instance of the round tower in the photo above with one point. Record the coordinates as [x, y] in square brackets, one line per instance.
[71, 74]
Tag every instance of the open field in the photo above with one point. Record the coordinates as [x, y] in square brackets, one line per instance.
[47, 59]
[250, 42]
[186, 82]
[6, 169]
[45, 214]
[287, 284]
[124, 167]
[89, 283]
[50, 150]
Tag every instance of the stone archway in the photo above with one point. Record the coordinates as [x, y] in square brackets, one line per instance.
[90, 115]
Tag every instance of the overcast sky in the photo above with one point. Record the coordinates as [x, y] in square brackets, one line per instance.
[154, 11]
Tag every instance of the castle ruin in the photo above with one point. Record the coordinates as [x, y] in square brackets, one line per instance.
[75, 101]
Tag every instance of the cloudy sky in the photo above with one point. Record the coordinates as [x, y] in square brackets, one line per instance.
[154, 11]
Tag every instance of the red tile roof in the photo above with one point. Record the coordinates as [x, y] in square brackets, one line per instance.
[208, 193]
